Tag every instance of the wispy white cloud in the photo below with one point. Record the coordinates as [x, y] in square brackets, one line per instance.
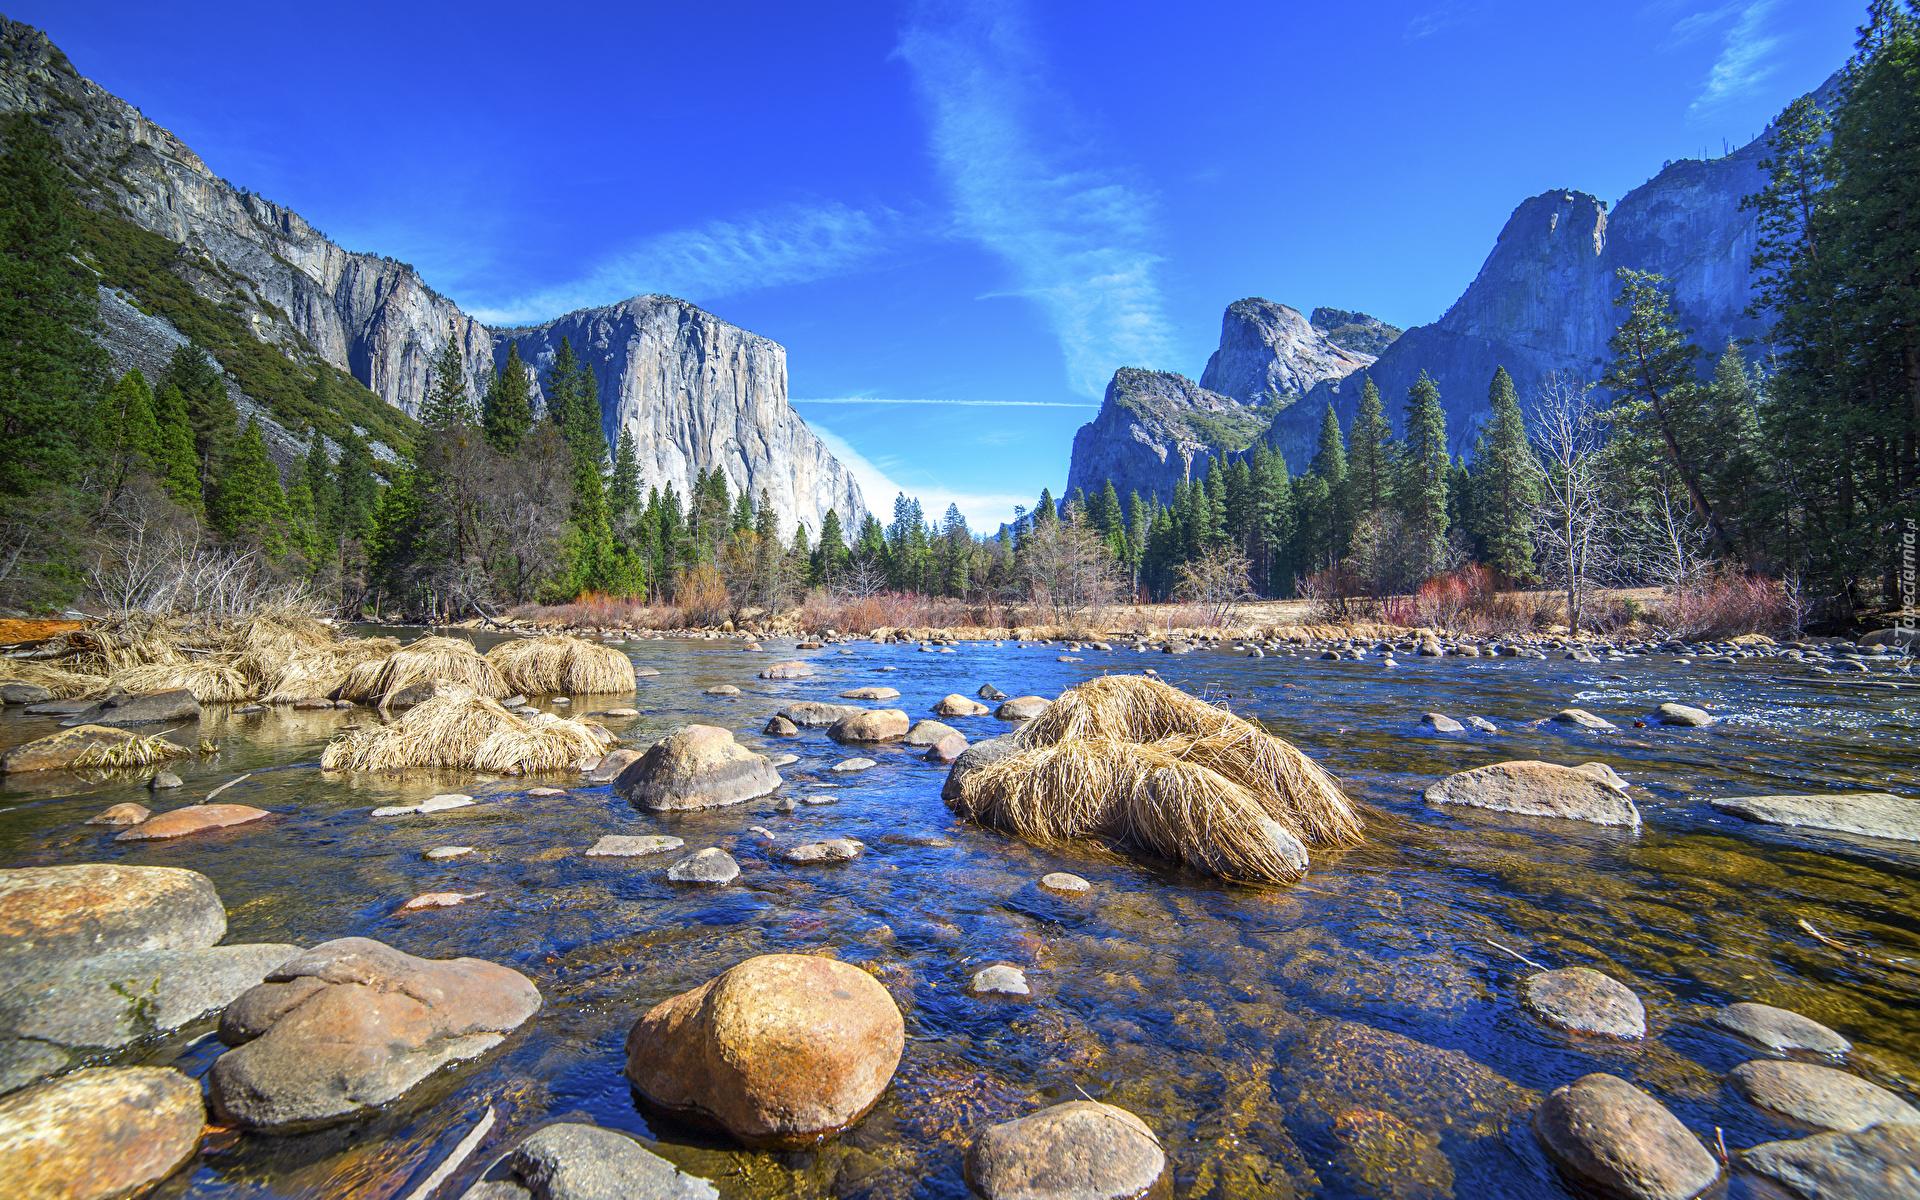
[794, 243]
[984, 511]
[1077, 234]
[1446, 16]
[1745, 53]
[980, 403]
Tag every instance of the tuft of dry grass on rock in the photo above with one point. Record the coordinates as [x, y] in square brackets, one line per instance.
[450, 660]
[462, 729]
[324, 672]
[555, 664]
[64, 684]
[211, 681]
[110, 646]
[1137, 795]
[134, 752]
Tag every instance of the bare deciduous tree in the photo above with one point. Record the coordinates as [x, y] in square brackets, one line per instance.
[1573, 520]
[1218, 580]
[1070, 573]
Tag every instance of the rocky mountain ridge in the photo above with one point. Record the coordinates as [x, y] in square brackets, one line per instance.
[376, 319]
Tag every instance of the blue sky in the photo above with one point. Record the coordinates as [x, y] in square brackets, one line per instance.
[962, 215]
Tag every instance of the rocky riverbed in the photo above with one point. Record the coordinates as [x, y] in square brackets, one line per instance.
[1619, 907]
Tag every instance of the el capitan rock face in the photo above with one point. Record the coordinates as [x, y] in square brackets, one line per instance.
[699, 394]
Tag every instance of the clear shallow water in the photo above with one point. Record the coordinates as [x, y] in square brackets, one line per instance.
[1352, 1036]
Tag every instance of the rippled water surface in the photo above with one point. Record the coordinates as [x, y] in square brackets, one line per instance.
[1356, 1035]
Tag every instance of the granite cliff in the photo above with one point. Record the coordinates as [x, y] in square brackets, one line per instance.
[1155, 429]
[1270, 350]
[243, 267]
[698, 394]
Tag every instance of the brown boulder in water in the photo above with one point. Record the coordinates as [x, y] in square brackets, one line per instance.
[700, 766]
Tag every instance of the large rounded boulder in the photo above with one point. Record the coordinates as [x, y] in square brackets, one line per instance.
[1537, 789]
[872, 725]
[1080, 1150]
[781, 1051]
[354, 1023]
[57, 914]
[99, 1134]
[699, 766]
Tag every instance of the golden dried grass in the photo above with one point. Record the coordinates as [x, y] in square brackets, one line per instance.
[1292, 788]
[462, 729]
[323, 672]
[555, 664]
[1134, 795]
[64, 684]
[113, 645]
[212, 681]
[449, 660]
[134, 752]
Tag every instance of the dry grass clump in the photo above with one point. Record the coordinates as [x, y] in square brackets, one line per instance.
[462, 729]
[1129, 758]
[450, 660]
[555, 664]
[134, 752]
[324, 672]
[210, 681]
[1138, 795]
[64, 684]
[106, 647]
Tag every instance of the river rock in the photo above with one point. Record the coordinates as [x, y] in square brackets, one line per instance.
[787, 670]
[947, 749]
[1333, 1066]
[164, 780]
[848, 766]
[1779, 1029]
[57, 914]
[1683, 714]
[112, 1000]
[987, 692]
[871, 693]
[1003, 979]
[1483, 725]
[124, 813]
[1537, 789]
[1583, 718]
[1604, 1130]
[442, 853]
[780, 727]
[354, 1023]
[1442, 723]
[1586, 1001]
[1869, 814]
[1882, 1163]
[1605, 774]
[119, 711]
[871, 725]
[616, 845]
[712, 865]
[571, 1161]
[1061, 881]
[782, 1050]
[928, 733]
[58, 751]
[830, 850]
[99, 1134]
[179, 822]
[816, 714]
[1022, 708]
[978, 755]
[699, 766]
[956, 705]
[13, 692]
[610, 765]
[1821, 1096]
[1080, 1150]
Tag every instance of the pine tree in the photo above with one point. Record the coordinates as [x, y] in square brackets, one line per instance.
[250, 505]
[446, 404]
[210, 410]
[324, 492]
[623, 494]
[507, 411]
[304, 536]
[1424, 467]
[50, 369]
[830, 558]
[129, 433]
[1506, 485]
[769, 554]
[1046, 510]
[177, 465]
[1327, 504]
[1372, 469]
[360, 496]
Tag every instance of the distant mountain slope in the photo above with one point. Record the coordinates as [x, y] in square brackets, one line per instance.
[277, 302]
[1543, 300]
[1270, 349]
[1156, 428]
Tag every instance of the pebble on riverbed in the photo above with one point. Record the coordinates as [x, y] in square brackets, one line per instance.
[1779, 1029]
[440, 899]
[1060, 881]
[1000, 979]
[1537, 789]
[433, 805]
[850, 765]
[1584, 719]
[830, 850]
[125, 813]
[1604, 1130]
[712, 865]
[444, 852]
[618, 845]
[1586, 1001]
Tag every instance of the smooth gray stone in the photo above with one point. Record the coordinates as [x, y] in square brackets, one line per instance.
[1820, 1096]
[1882, 1163]
[1869, 814]
[978, 755]
[712, 865]
[1779, 1028]
[1684, 714]
[585, 1162]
